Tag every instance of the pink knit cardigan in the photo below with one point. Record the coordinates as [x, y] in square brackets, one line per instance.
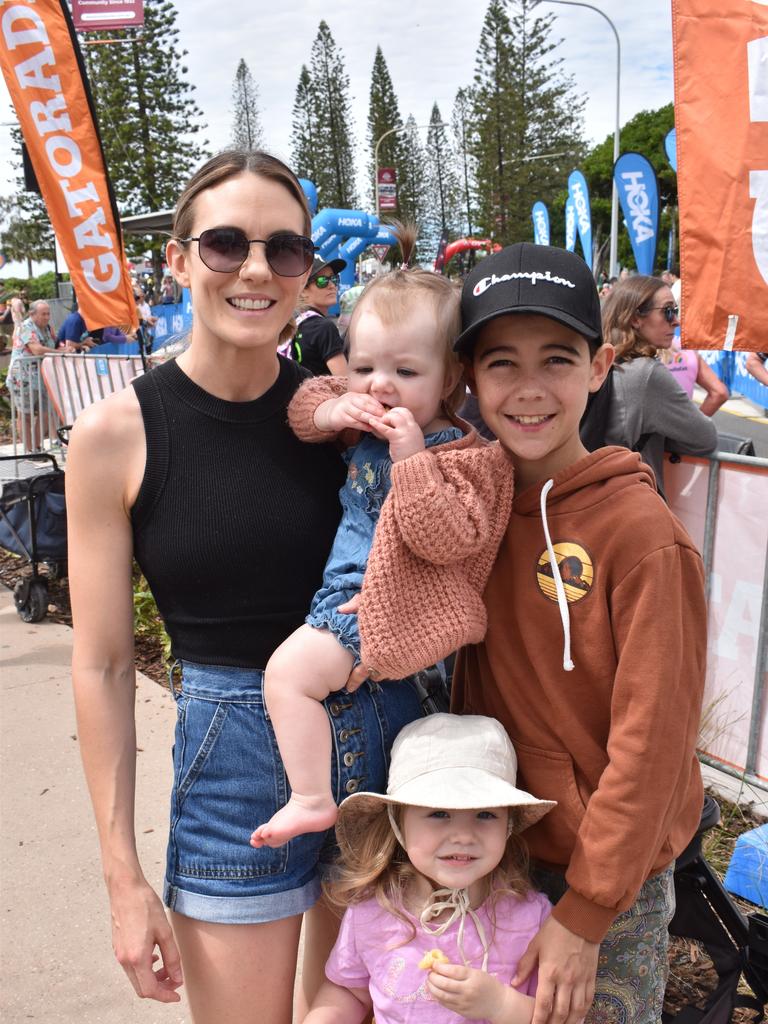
[435, 543]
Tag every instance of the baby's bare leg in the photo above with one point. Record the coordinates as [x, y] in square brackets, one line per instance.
[301, 673]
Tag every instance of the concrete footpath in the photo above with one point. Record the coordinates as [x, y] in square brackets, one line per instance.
[56, 961]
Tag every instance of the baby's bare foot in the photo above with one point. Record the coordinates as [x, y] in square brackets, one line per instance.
[301, 814]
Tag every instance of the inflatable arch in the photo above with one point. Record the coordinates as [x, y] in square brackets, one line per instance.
[344, 234]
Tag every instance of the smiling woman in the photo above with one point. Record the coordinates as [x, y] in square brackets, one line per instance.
[194, 472]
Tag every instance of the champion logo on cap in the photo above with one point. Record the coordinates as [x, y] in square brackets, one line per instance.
[530, 275]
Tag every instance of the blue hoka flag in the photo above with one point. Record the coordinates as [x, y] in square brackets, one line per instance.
[670, 148]
[639, 197]
[570, 225]
[540, 216]
[579, 194]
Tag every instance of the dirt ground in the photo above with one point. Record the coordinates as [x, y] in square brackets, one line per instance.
[691, 975]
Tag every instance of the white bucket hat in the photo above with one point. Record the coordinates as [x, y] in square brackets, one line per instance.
[450, 762]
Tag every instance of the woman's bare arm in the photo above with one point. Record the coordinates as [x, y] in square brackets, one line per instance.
[104, 470]
[717, 392]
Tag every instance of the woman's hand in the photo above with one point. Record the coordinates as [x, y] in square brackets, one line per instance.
[351, 410]
[476, 995]
[567, 970]
[401, 431]
[139, 926]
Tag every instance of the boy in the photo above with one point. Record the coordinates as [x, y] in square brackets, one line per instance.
[594, 654]
[604, 721]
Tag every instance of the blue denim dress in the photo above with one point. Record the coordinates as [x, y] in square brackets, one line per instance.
[367, 485]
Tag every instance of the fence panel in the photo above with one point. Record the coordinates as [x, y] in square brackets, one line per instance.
[723, 503]
[55, 389]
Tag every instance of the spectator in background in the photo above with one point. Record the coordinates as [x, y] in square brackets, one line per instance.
[6, 323]
[146, 320]
[167, 291]
[757, 365]
[317, 344]
[18, 312]
[34, 338]
[671, 278]
[650, 412]
[73, 335]
[689, 369]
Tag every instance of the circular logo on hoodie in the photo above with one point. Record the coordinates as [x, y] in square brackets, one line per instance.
[576, 572]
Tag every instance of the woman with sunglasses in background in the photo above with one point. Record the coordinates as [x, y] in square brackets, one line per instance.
[650, 412]
[317, 344]
[195, 473]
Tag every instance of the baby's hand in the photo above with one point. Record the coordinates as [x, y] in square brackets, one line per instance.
[476, 995]
[352, 409]
[401, 431]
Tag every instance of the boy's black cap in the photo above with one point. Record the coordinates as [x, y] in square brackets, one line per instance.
[528, 278]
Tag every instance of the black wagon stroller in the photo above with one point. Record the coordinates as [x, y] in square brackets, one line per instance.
[33, 524]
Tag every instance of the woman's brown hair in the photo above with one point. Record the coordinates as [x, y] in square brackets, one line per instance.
[621, 306]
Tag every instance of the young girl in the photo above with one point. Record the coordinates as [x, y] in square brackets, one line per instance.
[438, 906]
[403, 387]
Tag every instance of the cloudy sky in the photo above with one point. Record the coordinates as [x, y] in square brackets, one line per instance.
[429, 46]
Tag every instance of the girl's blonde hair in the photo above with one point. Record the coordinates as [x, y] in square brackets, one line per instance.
[229, 164]
[391, 294]
[375, 865]
[621, 305]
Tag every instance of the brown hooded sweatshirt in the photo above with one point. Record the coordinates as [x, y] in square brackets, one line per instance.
[613, 740]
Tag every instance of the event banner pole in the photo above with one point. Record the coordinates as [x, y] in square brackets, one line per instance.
[43, 69]
[721, 123]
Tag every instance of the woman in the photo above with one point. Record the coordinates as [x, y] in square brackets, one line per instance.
[34, 337]
[317, 344]
[194, 472]
[650, 412]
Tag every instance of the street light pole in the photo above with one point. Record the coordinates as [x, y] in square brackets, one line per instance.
[403, 128]
[613, 260]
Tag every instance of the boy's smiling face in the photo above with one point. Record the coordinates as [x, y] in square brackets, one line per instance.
[532, 377]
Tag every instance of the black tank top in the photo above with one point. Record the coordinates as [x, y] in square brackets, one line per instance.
[234, 518]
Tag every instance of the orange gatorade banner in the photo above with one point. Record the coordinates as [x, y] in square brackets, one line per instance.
[721, 117]
[43, 69]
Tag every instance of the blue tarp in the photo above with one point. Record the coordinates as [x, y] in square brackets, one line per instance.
[173, 322]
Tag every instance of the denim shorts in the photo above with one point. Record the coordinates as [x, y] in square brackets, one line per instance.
[228, 778]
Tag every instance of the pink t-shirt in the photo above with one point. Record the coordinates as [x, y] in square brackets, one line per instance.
[373, 952]
[684, 366]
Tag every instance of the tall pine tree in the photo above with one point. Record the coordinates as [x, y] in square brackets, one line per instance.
[334, 137]
[246, 122]
[304, 155]
[461, 125]
[524, 108]
[149, 120]
[27, 234]
[413, 186]
[442, 178]
[383, 116]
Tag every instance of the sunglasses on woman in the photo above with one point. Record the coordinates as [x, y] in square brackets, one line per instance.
[323, 280]
[225, 250]
[670, 313]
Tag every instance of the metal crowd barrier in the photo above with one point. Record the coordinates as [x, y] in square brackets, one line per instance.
[721, 503]
[56, 390]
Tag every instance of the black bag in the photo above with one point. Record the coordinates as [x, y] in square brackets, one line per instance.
[733, 444]
[45, 493]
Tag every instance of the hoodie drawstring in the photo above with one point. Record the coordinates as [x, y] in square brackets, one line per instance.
[562, 600]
